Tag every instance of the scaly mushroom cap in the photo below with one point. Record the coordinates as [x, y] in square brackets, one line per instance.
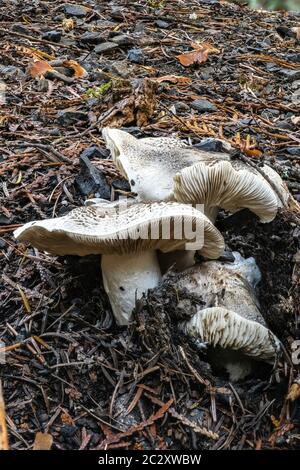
[150, 164]
[222, 284]
[102, 229]
[220, 185]
[221, 327]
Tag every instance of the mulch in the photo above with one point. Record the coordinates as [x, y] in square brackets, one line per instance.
[69, 371]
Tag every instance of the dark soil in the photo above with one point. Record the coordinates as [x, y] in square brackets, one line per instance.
[69, 370]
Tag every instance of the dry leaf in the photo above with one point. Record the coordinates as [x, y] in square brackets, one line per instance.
[79, 72]
[173, 79]
[198, 56]
[67, 419]
[39, 68]
[42, 441]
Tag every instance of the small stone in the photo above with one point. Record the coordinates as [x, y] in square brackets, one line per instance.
[20, 28]
[213, 145]
[105, 47]
[122, 40]
[91, 181]
[55, 131]
[162, 24]
[91, 37]
[285, 125]
[54, 36]
[69, 117]
[136, 56]
[181, 106]
[290, 74]
[293, 150]
[5, 220]
[72, 9]
[95, 152]
[10, 71]
[293, 58]
[203, 106]
[122, 68]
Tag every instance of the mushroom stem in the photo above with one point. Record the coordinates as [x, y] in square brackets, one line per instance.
[127, 277]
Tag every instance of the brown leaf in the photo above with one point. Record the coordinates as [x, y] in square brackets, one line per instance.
[173, 79]
[42, 441]
[39, 68]
[66, 418]
[79, 72]
[198, 56]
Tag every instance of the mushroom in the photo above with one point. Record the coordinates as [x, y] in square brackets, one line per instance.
[128, 238]
[150, 164]
[162, 169]
[241, 338]
[220, 184]
[227, 316]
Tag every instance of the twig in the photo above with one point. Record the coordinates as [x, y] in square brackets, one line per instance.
[42, 41]
[3, 429]
[48, 148]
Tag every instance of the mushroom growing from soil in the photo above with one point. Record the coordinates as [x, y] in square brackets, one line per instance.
[128, 238]
[227, 315]
[162, 169]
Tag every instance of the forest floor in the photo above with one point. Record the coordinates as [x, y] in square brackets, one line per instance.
[66, 71]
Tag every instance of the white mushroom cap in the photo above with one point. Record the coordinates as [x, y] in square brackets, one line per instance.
[220, 185]
[223, 284]
[221, 327]
[120, 234]
[106, 229]
[150, 164]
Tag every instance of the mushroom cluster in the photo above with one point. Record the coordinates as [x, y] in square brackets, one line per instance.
[171, 181]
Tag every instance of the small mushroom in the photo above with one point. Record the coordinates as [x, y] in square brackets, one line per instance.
[228, 315]
[128, 238]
